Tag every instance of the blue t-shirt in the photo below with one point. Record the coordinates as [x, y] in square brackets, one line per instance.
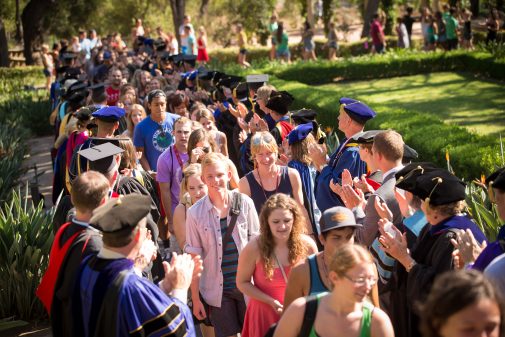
[154, 137]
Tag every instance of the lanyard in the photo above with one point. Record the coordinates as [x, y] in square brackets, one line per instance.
[177, 155]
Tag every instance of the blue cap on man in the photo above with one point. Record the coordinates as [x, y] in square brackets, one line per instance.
[109, 114]
[358, 111]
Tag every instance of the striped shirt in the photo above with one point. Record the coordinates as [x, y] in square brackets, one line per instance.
[230, 259]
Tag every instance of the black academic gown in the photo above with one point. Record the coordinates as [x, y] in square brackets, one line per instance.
[88, 242]
[433, 254]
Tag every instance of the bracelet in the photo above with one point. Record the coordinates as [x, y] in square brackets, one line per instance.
[410, 266]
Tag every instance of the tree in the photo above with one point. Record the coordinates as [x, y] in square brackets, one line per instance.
[33, 19]
[204, 7]
[389, 9]
[371, 7]
[327, 14]
[178, 8]
[4, 48]
[254, 15]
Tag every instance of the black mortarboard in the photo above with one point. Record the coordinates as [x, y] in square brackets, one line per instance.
[406, 178]
[121, 214]
[256, 81]
[77, 92]
[165, 56]
[101, 157]
[178, 59]
[439, 187]
[217, 95]
[159, 44]
[358, 111]
[228, 81]
[73, 72]
[241, 91]
[365, 137]
[409, 154]
[216, 77]
[280, 101]
[189, 59]
[303, 116]
[204, 74]
[84, 113]
[97, 88]
[68, 56]
[497, 179]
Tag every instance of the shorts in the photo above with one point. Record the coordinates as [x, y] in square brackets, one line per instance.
[229, 319]
[333, 44]
[243, 51]
[282, 53]
[379, 48]
[47, 73]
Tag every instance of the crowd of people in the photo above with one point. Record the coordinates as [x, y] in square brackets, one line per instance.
[194, 202]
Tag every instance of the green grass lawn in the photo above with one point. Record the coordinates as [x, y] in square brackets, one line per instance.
[475, 103]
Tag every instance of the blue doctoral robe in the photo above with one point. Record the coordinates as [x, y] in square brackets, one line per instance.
[346, 156]
[133, 306]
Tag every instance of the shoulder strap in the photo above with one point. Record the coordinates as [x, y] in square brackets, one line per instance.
[281, 267]
[309, 316]
[234, 212]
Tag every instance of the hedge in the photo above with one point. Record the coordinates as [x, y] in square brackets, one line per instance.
[471, 155]
[392, 65]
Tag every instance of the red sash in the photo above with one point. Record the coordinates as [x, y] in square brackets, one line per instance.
[45, 291]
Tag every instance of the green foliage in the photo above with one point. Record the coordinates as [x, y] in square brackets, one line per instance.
[12, 152]
[25, 241]
[471, 155]
[253, 15]
[482, 210]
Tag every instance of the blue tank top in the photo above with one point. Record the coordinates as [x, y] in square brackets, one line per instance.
[316, 284]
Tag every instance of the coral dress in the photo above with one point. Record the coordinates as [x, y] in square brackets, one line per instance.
[202, 52]
[260, 316]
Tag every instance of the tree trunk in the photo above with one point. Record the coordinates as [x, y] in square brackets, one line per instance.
[4, 48]
[310, 13]
[371, 8]
[178, 8]
[327, 14]
[32, 19]
[19, 27]
[204, 7]
[474, 7]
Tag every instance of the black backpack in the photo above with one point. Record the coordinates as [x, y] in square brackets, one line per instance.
[308, 319]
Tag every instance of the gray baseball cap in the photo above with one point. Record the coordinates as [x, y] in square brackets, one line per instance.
[337, 217]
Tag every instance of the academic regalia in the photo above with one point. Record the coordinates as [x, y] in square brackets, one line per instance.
[87, 242]
[130, 305]
[59, 172]
[110, 299]
[345, 157]
[130, 185]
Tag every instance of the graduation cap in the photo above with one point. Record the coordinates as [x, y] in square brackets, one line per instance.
[178, 59]
[280, 101]
[216, 77]
[77, 92]
[256, 81]
[109, 113]
[102, 157]
[409, 154]
[497, 179]
[217, 95]
[204, 74]
[122, 214]
[165, 56]
[68, 56]
[303, 116]
[189, 59]
[439, 187]
[72, 73]
[190, 75]
[300, 133]
[357, 111]
[406, 178]
[365, 137]
[228, 81]
[107, 55]
[159, 44]
[84, 113]
[241, 91]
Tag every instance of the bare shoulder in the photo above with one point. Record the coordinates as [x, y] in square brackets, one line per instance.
[381, 324]
[310, 244]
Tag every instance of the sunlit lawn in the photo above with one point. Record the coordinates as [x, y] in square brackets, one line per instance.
[478, 104]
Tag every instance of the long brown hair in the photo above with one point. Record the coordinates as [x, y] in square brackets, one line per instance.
[297, 249]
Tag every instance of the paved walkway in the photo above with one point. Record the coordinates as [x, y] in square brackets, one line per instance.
[40, 155]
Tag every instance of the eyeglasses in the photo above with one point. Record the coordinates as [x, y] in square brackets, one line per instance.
[361, 281]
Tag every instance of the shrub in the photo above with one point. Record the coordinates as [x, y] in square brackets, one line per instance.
[471, 155]
[25, 242]
[483, 211]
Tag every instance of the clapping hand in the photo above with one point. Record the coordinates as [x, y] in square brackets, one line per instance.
[393, 242]
[467, 249]
[363, 185]
[383, 209]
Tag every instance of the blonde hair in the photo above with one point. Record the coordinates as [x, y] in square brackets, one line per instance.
[266, 242]
[264, 92]
[129, 123]
[263, 140]
[347, 257]
[214, 158]
[204, 113]
[300, 150]
[189, 171]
